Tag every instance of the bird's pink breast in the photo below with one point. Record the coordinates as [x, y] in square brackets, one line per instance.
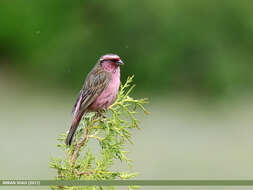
[108, 96]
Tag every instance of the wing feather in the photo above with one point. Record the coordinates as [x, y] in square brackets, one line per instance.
[96, 81]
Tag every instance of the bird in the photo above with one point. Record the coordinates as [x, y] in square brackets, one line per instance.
[99, 90]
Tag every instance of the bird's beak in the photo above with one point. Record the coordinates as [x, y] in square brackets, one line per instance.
[119, 62]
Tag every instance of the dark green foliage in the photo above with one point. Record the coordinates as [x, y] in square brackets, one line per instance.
[112, 133]
[200, 46]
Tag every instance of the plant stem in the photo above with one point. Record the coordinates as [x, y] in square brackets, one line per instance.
[79, 145]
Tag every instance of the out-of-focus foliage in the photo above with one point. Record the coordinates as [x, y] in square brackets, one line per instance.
[200, 45]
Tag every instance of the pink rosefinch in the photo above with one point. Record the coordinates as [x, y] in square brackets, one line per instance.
[99, 91]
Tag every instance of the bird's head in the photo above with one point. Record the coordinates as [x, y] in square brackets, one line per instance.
[112, 61]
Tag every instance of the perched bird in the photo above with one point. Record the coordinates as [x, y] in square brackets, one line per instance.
[99, 91]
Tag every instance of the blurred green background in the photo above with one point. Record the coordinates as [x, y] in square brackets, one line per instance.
[192, 59]
[198, 46]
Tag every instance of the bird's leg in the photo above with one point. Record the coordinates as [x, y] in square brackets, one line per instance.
[100, 113]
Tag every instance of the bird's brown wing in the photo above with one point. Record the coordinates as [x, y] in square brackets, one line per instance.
[96, 81]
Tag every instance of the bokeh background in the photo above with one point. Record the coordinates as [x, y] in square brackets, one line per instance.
[192, 59]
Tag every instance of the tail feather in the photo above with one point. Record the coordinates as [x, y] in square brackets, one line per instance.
[70, 135]
[72, 130]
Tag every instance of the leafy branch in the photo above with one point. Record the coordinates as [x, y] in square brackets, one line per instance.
[112, 132]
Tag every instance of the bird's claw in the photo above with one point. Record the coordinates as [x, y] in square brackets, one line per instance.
[100, 113]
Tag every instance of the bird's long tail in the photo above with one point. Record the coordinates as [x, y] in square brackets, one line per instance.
[72, 129]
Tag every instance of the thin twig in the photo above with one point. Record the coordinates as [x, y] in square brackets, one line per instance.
[79, 145]
[85, 173]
